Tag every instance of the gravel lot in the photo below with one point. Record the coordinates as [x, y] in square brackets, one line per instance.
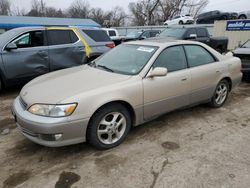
[197, 147]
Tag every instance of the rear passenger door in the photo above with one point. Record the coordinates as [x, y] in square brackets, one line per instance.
[65, 49]
[205, 73]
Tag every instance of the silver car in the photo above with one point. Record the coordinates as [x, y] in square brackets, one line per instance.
[131, 84]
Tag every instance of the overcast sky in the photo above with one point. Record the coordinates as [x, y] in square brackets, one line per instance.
[225, 5]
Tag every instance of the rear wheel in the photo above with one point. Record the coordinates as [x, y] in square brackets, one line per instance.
[181, 22]
[109, 126]
[220, 95]
[224, 18]
[242, 17]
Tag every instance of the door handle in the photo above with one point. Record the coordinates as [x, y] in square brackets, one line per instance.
[184, 79]
[217, 71]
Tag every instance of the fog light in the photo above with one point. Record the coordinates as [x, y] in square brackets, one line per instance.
[51, 137]
[58, 136]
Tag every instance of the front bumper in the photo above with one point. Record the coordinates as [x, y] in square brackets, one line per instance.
[38, 129]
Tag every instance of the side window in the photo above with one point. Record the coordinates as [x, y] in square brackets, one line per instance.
[146, 34]
[190, 32]
[201, 32]
[153, 33]
[197, 56]
[73, 37]
[30, 39]
[97, 35]
[172, 58]
[57, 37]
[112, 33]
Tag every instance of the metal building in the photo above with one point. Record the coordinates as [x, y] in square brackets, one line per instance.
[10, 22]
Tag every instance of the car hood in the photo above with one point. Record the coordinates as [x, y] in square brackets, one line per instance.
[242, 51]
[60, 85]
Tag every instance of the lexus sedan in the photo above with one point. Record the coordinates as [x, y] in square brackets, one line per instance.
[131, 84]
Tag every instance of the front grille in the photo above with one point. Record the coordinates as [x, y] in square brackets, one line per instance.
[23, 103]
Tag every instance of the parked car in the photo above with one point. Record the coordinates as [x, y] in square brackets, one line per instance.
[130, 85]
[114, 35]
[141, 35]
[197, 34]
[243, 52]
[210, 17]
[32, 51]
[180, 20]
[244, 15]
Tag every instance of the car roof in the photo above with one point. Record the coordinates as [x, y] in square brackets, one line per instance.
[161, 42]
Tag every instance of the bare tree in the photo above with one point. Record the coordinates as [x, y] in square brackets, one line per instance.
[79, 9]
[4, 7]
[143, 11]
[195, 7]
[38, 8]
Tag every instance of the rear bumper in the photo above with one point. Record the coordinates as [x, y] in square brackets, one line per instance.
[41, 130]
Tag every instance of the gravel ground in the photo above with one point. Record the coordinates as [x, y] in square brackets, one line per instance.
[197, 147]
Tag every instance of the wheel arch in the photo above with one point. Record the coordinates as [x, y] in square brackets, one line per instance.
[229, 80]
[242, 15]
[126, 104]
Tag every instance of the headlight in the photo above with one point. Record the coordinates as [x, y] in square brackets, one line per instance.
[52, 110]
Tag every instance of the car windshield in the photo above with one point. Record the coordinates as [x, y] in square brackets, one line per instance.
[134, 34]
[173, 32]
[246, 45]
[125, 59]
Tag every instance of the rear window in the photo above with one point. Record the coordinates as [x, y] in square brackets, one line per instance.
[112, 33]
[201, 32]
[97, 35]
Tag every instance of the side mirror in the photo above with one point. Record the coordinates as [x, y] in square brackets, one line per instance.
[158, 72]
[11, 46]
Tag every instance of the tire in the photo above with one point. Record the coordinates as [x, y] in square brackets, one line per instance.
[242, 17]
[110, 133]
[220, 95]
[224, 18]
[181, 22]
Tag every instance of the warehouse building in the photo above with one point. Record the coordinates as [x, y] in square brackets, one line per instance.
[10, 22]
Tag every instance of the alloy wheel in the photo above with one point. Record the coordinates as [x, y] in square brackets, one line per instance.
[111, 128]
[221, 93]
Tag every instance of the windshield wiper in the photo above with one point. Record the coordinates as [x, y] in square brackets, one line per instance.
[106, 68]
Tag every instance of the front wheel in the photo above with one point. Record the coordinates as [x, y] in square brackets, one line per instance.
[181, 22]
[109, 126]
[220, 95]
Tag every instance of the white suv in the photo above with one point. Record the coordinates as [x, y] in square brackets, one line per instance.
[112, 33]
[187, 19]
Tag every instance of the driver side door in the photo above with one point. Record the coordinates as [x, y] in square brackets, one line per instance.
[164, 94]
